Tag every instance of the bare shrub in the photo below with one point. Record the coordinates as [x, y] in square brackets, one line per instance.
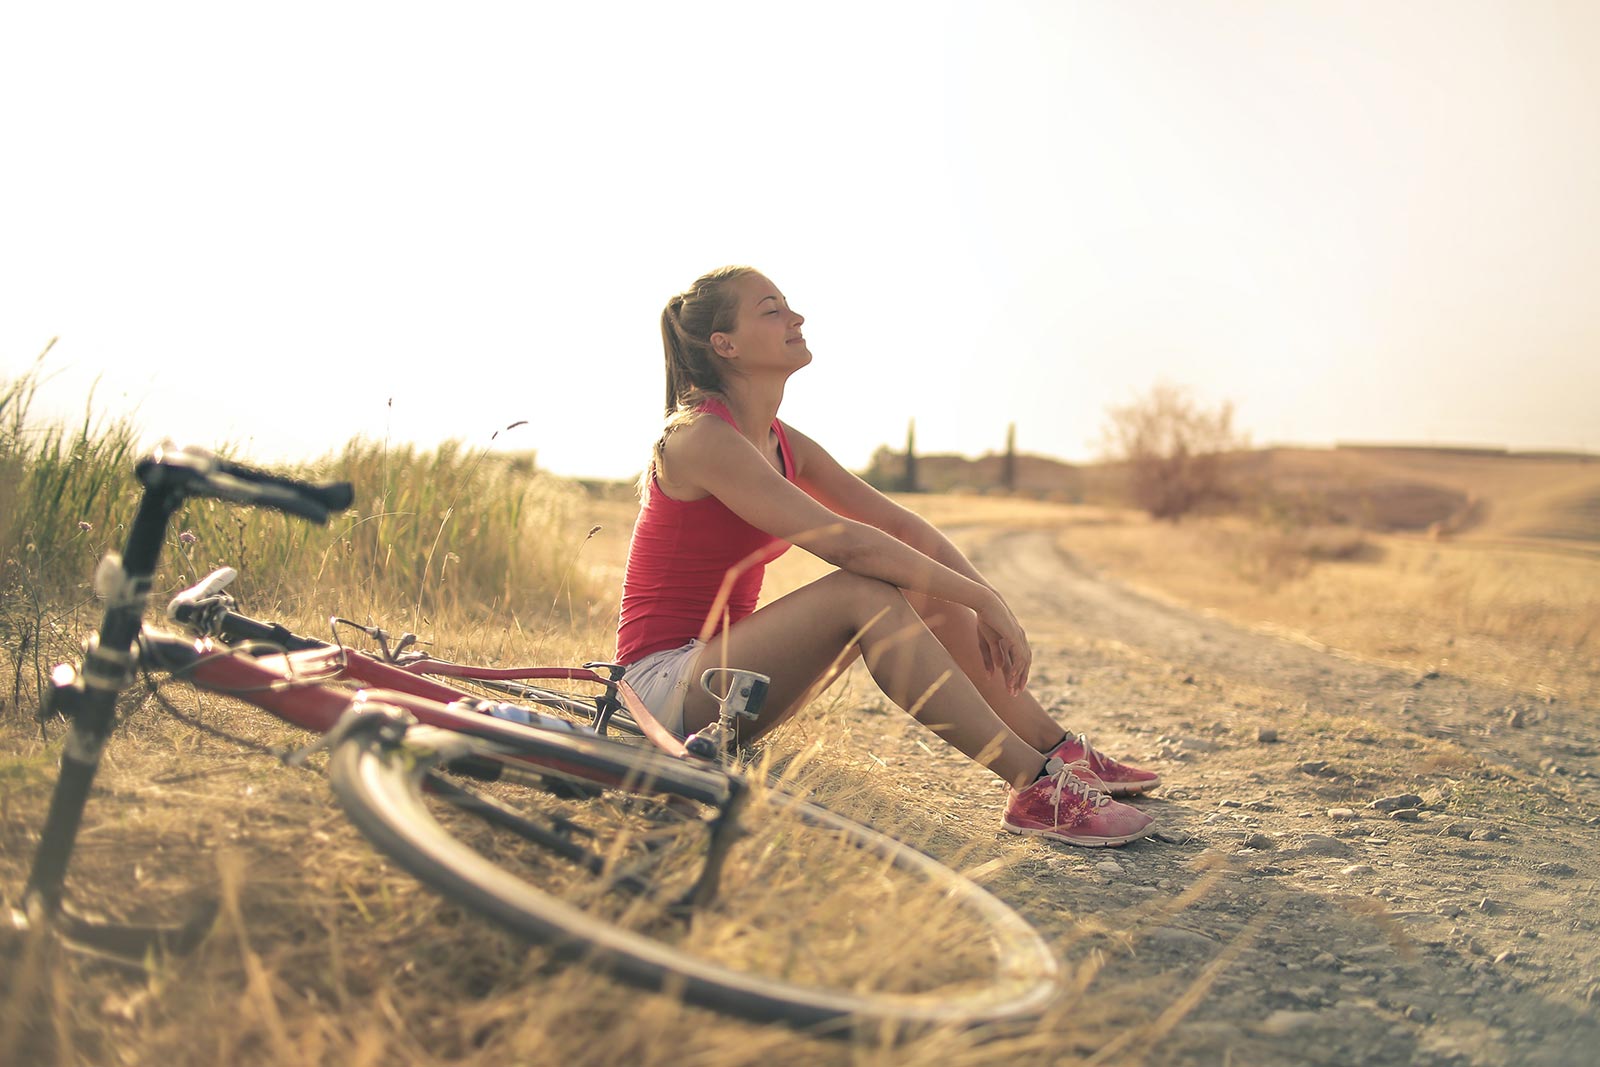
[1172, 450]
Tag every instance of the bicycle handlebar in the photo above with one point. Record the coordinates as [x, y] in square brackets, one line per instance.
[193, 471]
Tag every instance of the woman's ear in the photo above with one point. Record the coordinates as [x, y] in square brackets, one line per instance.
[722, 345]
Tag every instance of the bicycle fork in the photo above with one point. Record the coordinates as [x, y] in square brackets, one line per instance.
[89, 697]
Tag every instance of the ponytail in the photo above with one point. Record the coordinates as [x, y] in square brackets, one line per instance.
[708, 306]
[694, 371]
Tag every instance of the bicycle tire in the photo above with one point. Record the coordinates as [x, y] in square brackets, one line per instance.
[380, 785]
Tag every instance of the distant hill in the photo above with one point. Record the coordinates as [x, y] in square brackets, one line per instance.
[1450, 491]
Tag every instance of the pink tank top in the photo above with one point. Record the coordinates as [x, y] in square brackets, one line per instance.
[680, 552]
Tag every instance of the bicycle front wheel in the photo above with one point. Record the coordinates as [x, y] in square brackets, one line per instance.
[812, 919]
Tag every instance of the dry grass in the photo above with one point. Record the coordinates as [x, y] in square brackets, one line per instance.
[1520, 617]
[324, 953]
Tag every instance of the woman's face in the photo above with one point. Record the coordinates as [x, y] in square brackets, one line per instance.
[766, 334]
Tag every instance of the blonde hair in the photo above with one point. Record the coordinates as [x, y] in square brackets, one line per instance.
[694, 371]
[708, 306]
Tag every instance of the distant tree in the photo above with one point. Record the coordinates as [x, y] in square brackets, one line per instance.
[1173, 449]
[1008, 465]
[910, 485]
[885, 471]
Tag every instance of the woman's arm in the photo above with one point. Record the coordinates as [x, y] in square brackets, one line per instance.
[823, 478]
[711, 456]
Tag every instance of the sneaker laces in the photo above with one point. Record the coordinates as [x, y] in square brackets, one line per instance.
[1072, 777]
[1090, 755]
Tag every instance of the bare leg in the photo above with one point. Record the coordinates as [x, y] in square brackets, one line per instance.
[804, 639]
[956, 628]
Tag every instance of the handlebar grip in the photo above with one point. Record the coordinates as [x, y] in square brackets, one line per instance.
[190, 472]
[333, 496]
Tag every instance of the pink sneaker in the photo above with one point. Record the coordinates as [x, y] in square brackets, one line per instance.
[1065, 806]
[1118, 779]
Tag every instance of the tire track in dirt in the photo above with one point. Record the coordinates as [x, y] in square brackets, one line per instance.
[1045, 581]
[1465, 936]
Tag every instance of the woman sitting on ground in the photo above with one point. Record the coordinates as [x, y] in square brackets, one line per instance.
[731, 486]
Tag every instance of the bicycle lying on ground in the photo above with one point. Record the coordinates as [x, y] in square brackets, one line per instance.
[665, 869]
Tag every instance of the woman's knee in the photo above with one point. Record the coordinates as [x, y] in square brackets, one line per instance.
[868, 598]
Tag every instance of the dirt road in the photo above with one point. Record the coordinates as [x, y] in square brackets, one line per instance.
[1355, 865]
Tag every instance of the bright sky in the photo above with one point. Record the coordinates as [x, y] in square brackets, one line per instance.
[284, 225]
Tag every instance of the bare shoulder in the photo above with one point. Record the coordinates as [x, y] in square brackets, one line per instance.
[688, 449]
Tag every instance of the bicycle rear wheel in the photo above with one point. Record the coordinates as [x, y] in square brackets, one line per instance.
[818, 921]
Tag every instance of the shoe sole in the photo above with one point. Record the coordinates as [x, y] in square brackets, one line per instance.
[1086, 842]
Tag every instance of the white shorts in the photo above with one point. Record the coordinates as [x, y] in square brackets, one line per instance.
[662, 680]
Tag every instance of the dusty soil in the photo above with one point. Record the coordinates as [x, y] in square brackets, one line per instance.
[1354, 864]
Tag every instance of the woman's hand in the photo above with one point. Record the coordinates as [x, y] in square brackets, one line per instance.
[1003, 644]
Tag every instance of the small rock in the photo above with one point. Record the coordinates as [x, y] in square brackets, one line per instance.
[1324, 959]
[1560, 870]
[1266, 735]
[1231, 804]
[1488, 907]
[1109, 868]
[1176, 937]
[1342, 814]
[1508, 956]
[1485, 833]
[1262, 842]
[1357, 868]
[1406, 814]
[1398, 801]
[1323, 844]
[1286, 1021]
[1188, 679]
[1314, 766]
[1516, 718]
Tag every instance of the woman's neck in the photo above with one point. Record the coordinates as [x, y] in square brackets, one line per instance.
[753, 406]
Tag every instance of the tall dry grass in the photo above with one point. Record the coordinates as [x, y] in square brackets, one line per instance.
[440, 542]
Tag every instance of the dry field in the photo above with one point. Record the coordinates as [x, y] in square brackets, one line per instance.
[1282, 681]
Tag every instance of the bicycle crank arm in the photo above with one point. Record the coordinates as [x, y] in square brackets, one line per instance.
[725, 830]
